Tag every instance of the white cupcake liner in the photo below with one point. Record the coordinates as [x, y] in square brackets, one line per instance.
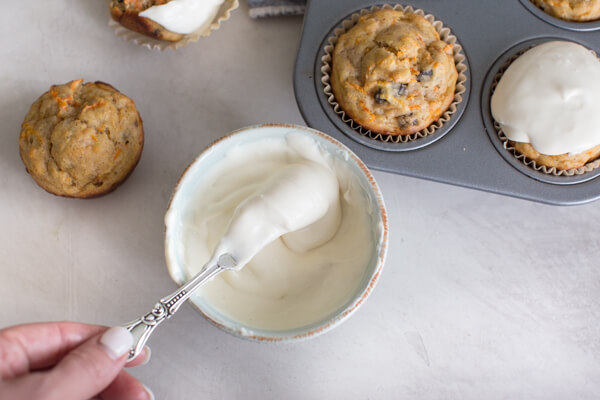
[142, 40]
[590, 166]
[445, 35]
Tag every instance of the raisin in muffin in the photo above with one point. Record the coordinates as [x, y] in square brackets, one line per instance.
[81, 140]
[392, 74]
[126, 13]
[571, 10]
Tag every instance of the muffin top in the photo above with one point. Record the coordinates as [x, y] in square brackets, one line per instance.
[81, 140]
[126, 13]
[540, 101]
[571, 10]
[168, 20]
[392, 74]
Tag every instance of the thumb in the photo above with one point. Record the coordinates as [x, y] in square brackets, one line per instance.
[91, 367]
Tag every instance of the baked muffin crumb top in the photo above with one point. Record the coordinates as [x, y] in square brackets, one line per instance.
[571, 10]
[392, 74]
[81, 140]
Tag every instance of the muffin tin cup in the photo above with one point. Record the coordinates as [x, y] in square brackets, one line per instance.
[587, 26]
[501, 142]
[469, 156]
[436, 130]
[154, 44]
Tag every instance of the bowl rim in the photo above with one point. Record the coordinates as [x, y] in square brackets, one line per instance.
[358, 298]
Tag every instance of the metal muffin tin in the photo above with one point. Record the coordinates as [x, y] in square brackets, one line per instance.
[467, 152]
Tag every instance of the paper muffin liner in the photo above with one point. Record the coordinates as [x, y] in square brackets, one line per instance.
[590, 166]
[445, 35]
[223, 14]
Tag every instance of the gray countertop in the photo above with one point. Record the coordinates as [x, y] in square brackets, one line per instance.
[482, 296]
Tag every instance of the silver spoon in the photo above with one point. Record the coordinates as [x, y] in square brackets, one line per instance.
[142, 328]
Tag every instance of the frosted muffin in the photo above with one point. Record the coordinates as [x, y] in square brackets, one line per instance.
[168, 20]
[81, 140]
[571, 10]
[548, 113]
[392, 74]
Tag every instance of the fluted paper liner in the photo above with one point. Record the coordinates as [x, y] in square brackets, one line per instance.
[590, 166]
[445, 35]
[223, 14]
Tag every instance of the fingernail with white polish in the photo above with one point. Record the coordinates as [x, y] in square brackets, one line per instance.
[150, 394]
[148, 354]
[117, 341]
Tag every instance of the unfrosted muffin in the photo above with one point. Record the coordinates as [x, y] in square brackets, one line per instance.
[571, 10]
[81, 140]
[392, 74]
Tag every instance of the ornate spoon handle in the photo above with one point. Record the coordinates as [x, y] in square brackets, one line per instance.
[142, 328]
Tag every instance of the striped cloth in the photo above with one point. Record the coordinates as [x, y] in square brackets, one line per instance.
[275, 8]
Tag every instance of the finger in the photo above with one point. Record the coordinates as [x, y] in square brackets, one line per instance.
[29, 347]
[142, 359]
[88, 369]
[126, 387]
[81, 374]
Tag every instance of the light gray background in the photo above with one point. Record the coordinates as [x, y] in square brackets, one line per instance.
[482, 296]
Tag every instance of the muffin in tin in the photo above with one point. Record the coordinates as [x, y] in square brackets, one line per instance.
[571, 10]
[545, 112]
[392, 74]
[81, 140]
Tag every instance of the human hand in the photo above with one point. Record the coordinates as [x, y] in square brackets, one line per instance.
[68, 361]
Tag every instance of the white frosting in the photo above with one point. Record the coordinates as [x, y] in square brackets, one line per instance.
[255, 194]
[292, 199]
[550, 97]
[184, 16]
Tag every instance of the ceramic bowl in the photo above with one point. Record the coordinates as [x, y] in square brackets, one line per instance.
[211, 156]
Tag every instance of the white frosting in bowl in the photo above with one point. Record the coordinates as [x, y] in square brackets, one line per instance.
[184, 16]
[550, 97]
[298, 201]
[267, 184]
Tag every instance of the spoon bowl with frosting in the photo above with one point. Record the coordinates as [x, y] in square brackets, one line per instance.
[299, 210]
